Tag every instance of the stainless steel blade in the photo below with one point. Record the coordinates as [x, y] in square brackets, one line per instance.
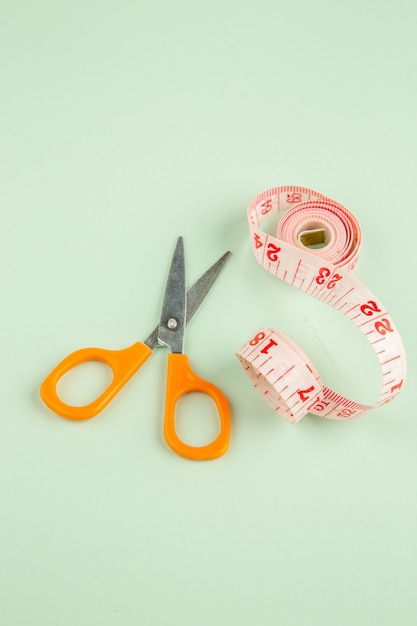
[198, 291]
[195, 295]
[173, 315]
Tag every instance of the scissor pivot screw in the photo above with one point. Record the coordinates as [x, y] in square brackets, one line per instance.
[172, 323]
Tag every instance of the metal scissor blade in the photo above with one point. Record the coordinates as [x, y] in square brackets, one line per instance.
[195, 296]
[173, 316]
[198, 291]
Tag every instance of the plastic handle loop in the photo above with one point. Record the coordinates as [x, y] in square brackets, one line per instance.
[180, 381]
[124, 363]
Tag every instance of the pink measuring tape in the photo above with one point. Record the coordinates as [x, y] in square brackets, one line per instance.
[316, 247]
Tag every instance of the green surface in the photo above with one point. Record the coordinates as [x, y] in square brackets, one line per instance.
[123, 125]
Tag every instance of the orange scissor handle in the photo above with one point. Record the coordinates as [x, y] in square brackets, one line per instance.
[180, 381]
[124, 363]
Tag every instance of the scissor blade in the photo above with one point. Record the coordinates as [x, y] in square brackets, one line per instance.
[173, 315]
[198, 291]
[195, 295]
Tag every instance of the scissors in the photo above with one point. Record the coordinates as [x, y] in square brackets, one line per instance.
[179, 306]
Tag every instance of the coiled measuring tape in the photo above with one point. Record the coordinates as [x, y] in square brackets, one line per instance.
[315, 249]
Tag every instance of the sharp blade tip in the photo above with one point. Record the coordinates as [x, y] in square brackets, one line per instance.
[224, 256]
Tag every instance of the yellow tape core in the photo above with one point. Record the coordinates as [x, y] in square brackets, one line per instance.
[310, 238]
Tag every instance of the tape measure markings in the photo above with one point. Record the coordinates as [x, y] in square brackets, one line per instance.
[324, 273]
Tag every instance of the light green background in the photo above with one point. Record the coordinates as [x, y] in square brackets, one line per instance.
[123, 125]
